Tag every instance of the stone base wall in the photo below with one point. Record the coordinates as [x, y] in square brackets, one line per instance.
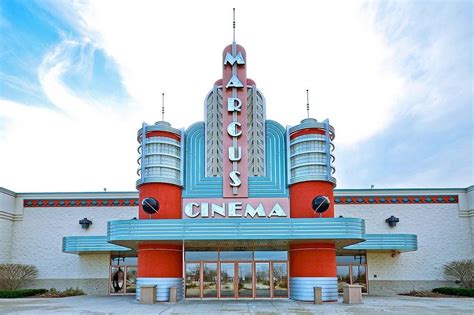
[388, 287]
[89, 286]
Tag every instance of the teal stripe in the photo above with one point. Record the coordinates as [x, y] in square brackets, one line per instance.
[382, 242]
[89, 244]
[236, 229]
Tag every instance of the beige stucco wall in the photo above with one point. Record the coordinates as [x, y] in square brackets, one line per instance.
[37, 240]
[443, 235]
[7, 216]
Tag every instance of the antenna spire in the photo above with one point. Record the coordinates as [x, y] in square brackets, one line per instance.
[307, 101]
[163, 106]
[233, 24]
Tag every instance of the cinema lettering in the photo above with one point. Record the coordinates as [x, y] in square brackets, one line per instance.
[246, 208]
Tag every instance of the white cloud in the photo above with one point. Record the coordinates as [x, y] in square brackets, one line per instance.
[330, 48]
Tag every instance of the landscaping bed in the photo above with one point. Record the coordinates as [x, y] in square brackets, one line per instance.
[442, 292]
[40, 293]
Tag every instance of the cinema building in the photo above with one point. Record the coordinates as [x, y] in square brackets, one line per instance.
[238, 206]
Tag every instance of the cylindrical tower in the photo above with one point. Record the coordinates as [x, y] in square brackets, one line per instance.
[160, 187]
[309, 176]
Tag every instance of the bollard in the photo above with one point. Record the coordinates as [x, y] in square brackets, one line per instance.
[173, 295]
[318, 295]
[352, 294]
[148, 294]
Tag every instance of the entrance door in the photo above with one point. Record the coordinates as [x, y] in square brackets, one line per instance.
[209, 279]
[237, 279]
[262, 280]
[280, 279]
[193, 280]
[245, 280]
[227, 280]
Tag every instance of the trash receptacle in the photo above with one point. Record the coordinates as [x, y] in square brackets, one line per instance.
[352, 294]
[318, 295]
[173, 294]
[148, 294]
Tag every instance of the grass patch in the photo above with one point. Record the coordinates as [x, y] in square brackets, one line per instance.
[455, 291]
[21, 293]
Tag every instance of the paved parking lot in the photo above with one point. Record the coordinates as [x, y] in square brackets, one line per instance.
[127, 305]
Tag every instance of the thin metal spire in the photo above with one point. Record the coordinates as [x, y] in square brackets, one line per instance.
[233, 24]
[163, 106]
[307, 101]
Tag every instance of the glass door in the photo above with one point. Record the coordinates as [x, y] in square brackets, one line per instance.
[262, 279]
[193, 280]
[280, 279]
[227, 280]
[117, 280]
[209, 280]
[245, 280]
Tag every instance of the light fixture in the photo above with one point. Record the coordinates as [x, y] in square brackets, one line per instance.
[392, 221]
[150, 205]
[85, 223]
[320, 204]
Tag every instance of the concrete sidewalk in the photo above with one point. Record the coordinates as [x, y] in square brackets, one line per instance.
[127, 305]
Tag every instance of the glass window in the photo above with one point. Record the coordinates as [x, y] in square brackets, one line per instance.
[131, 279]
[271, 255]
[359, 276]
[343, 277]
[121, 261]
[236, 255]
[197, 256]
[357, 259]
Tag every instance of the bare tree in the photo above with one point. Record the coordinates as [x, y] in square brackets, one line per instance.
[13, 276]
[462, 271]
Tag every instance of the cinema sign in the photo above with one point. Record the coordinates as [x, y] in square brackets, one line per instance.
[236, 208]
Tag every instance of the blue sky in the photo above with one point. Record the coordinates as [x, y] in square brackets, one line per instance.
[395, 78]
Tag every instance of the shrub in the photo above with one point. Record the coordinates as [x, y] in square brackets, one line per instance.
[55, 293]
[462, 271]
[13, 276]
[72, 292]
[21, 293]
[455, 291]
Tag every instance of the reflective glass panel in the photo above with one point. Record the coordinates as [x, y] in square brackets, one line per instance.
[120, 260]
[236, 255]
[343, 276]
[131, 279]
[227, 280]
[280, 280]
[262, 282]
[193, 283]
[117, 280]
[359, 276]
[209, 280]
[271, 255]
[358, 259]
[245, 280]
[198, 256]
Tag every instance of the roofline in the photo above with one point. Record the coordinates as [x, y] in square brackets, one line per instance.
[336, 191]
